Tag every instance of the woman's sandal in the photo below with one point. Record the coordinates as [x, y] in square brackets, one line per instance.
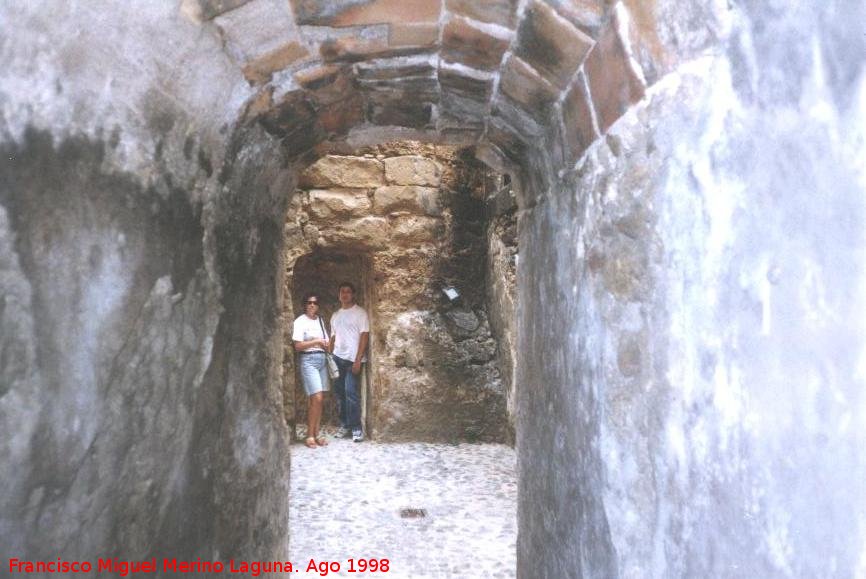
[322, 441]
[310, 442]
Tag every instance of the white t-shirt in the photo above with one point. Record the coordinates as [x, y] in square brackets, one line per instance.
[305, 329]
[348, 324]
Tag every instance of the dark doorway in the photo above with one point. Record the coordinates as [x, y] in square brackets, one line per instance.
[321, 272]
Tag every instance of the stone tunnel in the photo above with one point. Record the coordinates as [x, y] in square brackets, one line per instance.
[689, 386]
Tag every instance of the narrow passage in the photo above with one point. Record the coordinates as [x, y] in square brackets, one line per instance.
[366, 501]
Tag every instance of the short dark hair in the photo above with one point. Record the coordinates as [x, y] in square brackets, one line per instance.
[348, 285]
[307, 297]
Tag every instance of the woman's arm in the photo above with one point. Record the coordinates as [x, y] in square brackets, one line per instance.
[300, 346]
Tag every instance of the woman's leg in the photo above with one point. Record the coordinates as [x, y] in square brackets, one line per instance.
[314, 415]
[313, 385]
[323, 378]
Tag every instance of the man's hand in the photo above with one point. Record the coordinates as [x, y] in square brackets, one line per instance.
[356, 367]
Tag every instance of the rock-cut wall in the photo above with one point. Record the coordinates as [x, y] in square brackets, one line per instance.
[700, 275]
[140, 246]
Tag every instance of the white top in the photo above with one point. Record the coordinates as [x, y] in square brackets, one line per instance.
[305, 329]
[348, 324]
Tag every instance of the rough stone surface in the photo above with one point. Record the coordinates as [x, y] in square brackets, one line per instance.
[211, 8]
[258, 28]
[501, 283]
[333, 205]
[467, 492]
[421, 200]
[696, 349]
[412, 170]
[340, 171]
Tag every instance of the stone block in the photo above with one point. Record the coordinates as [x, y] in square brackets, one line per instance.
[339, 117]
[386, 90]
[259, 70]
[394, 68]
[588, 15]
[580, 130]
[365, 233]
[414, 199]
[519, 120]
[423, 34]
[456, 110]
[328, 84]
[294, 113]
[476, 48]
[260, 104]
[500, 12]
[507, 142]
[342, 13]
[526, 87]
[258, 29]
[412, 170]
[330, 204]
[410, 229]
[613, 83]
[353, 49]
[397, 109]
[339, 171]
[473, 84]
[465, 96]
[551, 44]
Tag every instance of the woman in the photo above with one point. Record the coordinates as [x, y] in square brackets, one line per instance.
[311, 341]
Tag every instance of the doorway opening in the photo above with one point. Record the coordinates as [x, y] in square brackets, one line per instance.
[428, 235]
[321, 272]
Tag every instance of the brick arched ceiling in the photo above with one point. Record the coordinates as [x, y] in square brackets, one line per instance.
[497, 73]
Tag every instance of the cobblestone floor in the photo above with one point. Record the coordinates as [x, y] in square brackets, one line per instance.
[346, 502]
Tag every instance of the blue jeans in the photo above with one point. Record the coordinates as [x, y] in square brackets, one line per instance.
[347, 388]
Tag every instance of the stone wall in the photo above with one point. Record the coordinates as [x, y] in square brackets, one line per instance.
[138, 294]
[697, 288]
[417, 214]
[501, 281]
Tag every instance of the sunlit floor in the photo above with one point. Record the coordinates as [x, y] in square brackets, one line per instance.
[431, 510]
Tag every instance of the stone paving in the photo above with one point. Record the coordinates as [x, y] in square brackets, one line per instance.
[347, 498]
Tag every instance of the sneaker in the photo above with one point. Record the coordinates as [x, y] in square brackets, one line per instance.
[342, 432]
[357, 436]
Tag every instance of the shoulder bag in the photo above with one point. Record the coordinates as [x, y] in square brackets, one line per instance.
[333, 369]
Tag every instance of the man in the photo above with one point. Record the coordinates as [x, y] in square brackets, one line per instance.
[350, 332]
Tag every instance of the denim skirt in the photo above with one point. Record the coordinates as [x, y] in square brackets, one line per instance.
[314, 372]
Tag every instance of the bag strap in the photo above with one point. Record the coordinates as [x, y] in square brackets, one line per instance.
[322, 324]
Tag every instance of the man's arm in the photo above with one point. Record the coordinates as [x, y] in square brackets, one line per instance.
[362, 347]
[333, 333]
